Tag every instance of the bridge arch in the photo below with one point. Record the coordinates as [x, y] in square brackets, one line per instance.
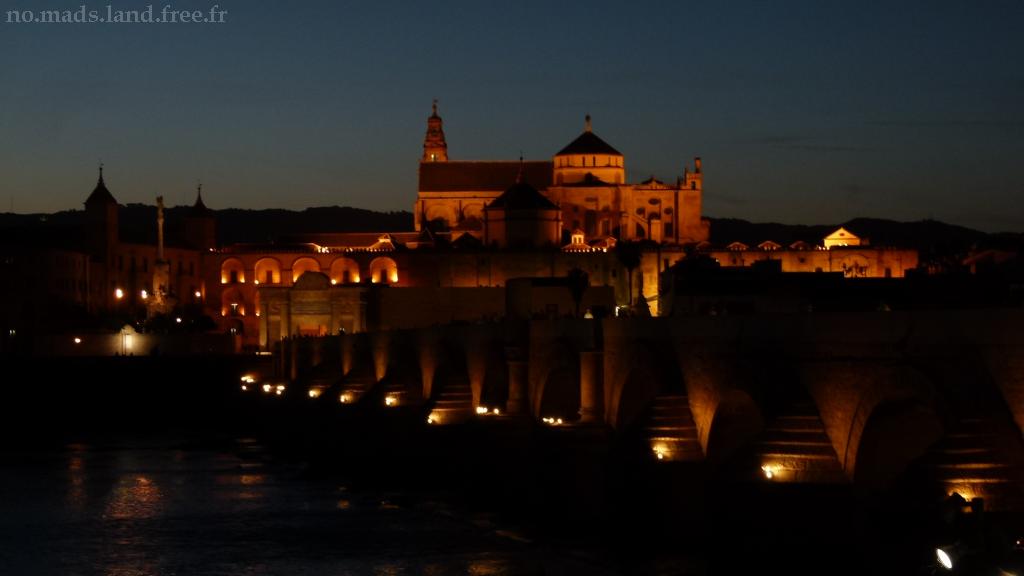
[879, 416]
[636, 386]
[558, 393]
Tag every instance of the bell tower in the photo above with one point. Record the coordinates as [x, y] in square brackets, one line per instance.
[435, 149]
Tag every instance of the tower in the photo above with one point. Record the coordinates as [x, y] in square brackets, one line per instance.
[101, 218]
[200, 225]
[435, 149]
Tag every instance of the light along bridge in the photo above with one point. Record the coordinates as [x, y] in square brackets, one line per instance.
[864, 400]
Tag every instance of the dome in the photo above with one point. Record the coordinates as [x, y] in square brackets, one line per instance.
[522, 196]
[588, 143]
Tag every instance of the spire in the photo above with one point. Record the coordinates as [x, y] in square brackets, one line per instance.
[100, 195]
[434, 115]
[519, 176]
[586, 125]
[199, 207]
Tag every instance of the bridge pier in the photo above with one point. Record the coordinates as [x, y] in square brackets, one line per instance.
[293, 359]
[516, 403]
[347, 353]
[590, 386]
[381, 342]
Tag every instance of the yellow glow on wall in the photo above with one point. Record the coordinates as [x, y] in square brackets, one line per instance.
[966, 491]
[394, 277]
[661, 451]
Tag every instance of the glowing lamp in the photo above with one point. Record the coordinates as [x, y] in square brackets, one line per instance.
[198, 294]
[78, 340]
[144, 294]
[118, 293]
[178, 319]
[390, 401]
[314, 392]
[266, 388]
[769, 471]
[945, 560]
[497, 412]
[481, 410]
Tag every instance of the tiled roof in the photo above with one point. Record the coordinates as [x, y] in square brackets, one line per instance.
[484, 176]
[588, 143]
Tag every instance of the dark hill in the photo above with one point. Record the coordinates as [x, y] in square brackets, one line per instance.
[138, 223]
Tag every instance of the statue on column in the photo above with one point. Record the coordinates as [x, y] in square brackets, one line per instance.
[162, 301]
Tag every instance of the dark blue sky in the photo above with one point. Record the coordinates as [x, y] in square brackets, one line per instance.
[807, 112]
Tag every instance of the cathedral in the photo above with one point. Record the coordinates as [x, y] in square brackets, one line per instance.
[584, 185]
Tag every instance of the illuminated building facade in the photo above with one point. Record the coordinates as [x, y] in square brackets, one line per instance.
[477, 226]
[585, 180]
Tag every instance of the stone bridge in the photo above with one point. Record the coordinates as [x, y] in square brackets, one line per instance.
[929, 401]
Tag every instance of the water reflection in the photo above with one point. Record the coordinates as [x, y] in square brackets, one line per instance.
[166, 510]
[134, 498]
[76, 496]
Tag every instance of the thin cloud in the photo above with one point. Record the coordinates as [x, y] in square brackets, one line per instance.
[805, 144]
[946, 123]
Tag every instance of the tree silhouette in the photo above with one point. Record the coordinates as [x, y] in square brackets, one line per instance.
[579, 281]
[628, 254]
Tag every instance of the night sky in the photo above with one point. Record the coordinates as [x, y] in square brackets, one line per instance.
[815, 112]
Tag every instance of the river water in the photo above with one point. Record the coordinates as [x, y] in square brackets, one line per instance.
[168, 506]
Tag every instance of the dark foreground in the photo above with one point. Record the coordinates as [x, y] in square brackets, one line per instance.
[155, 466]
